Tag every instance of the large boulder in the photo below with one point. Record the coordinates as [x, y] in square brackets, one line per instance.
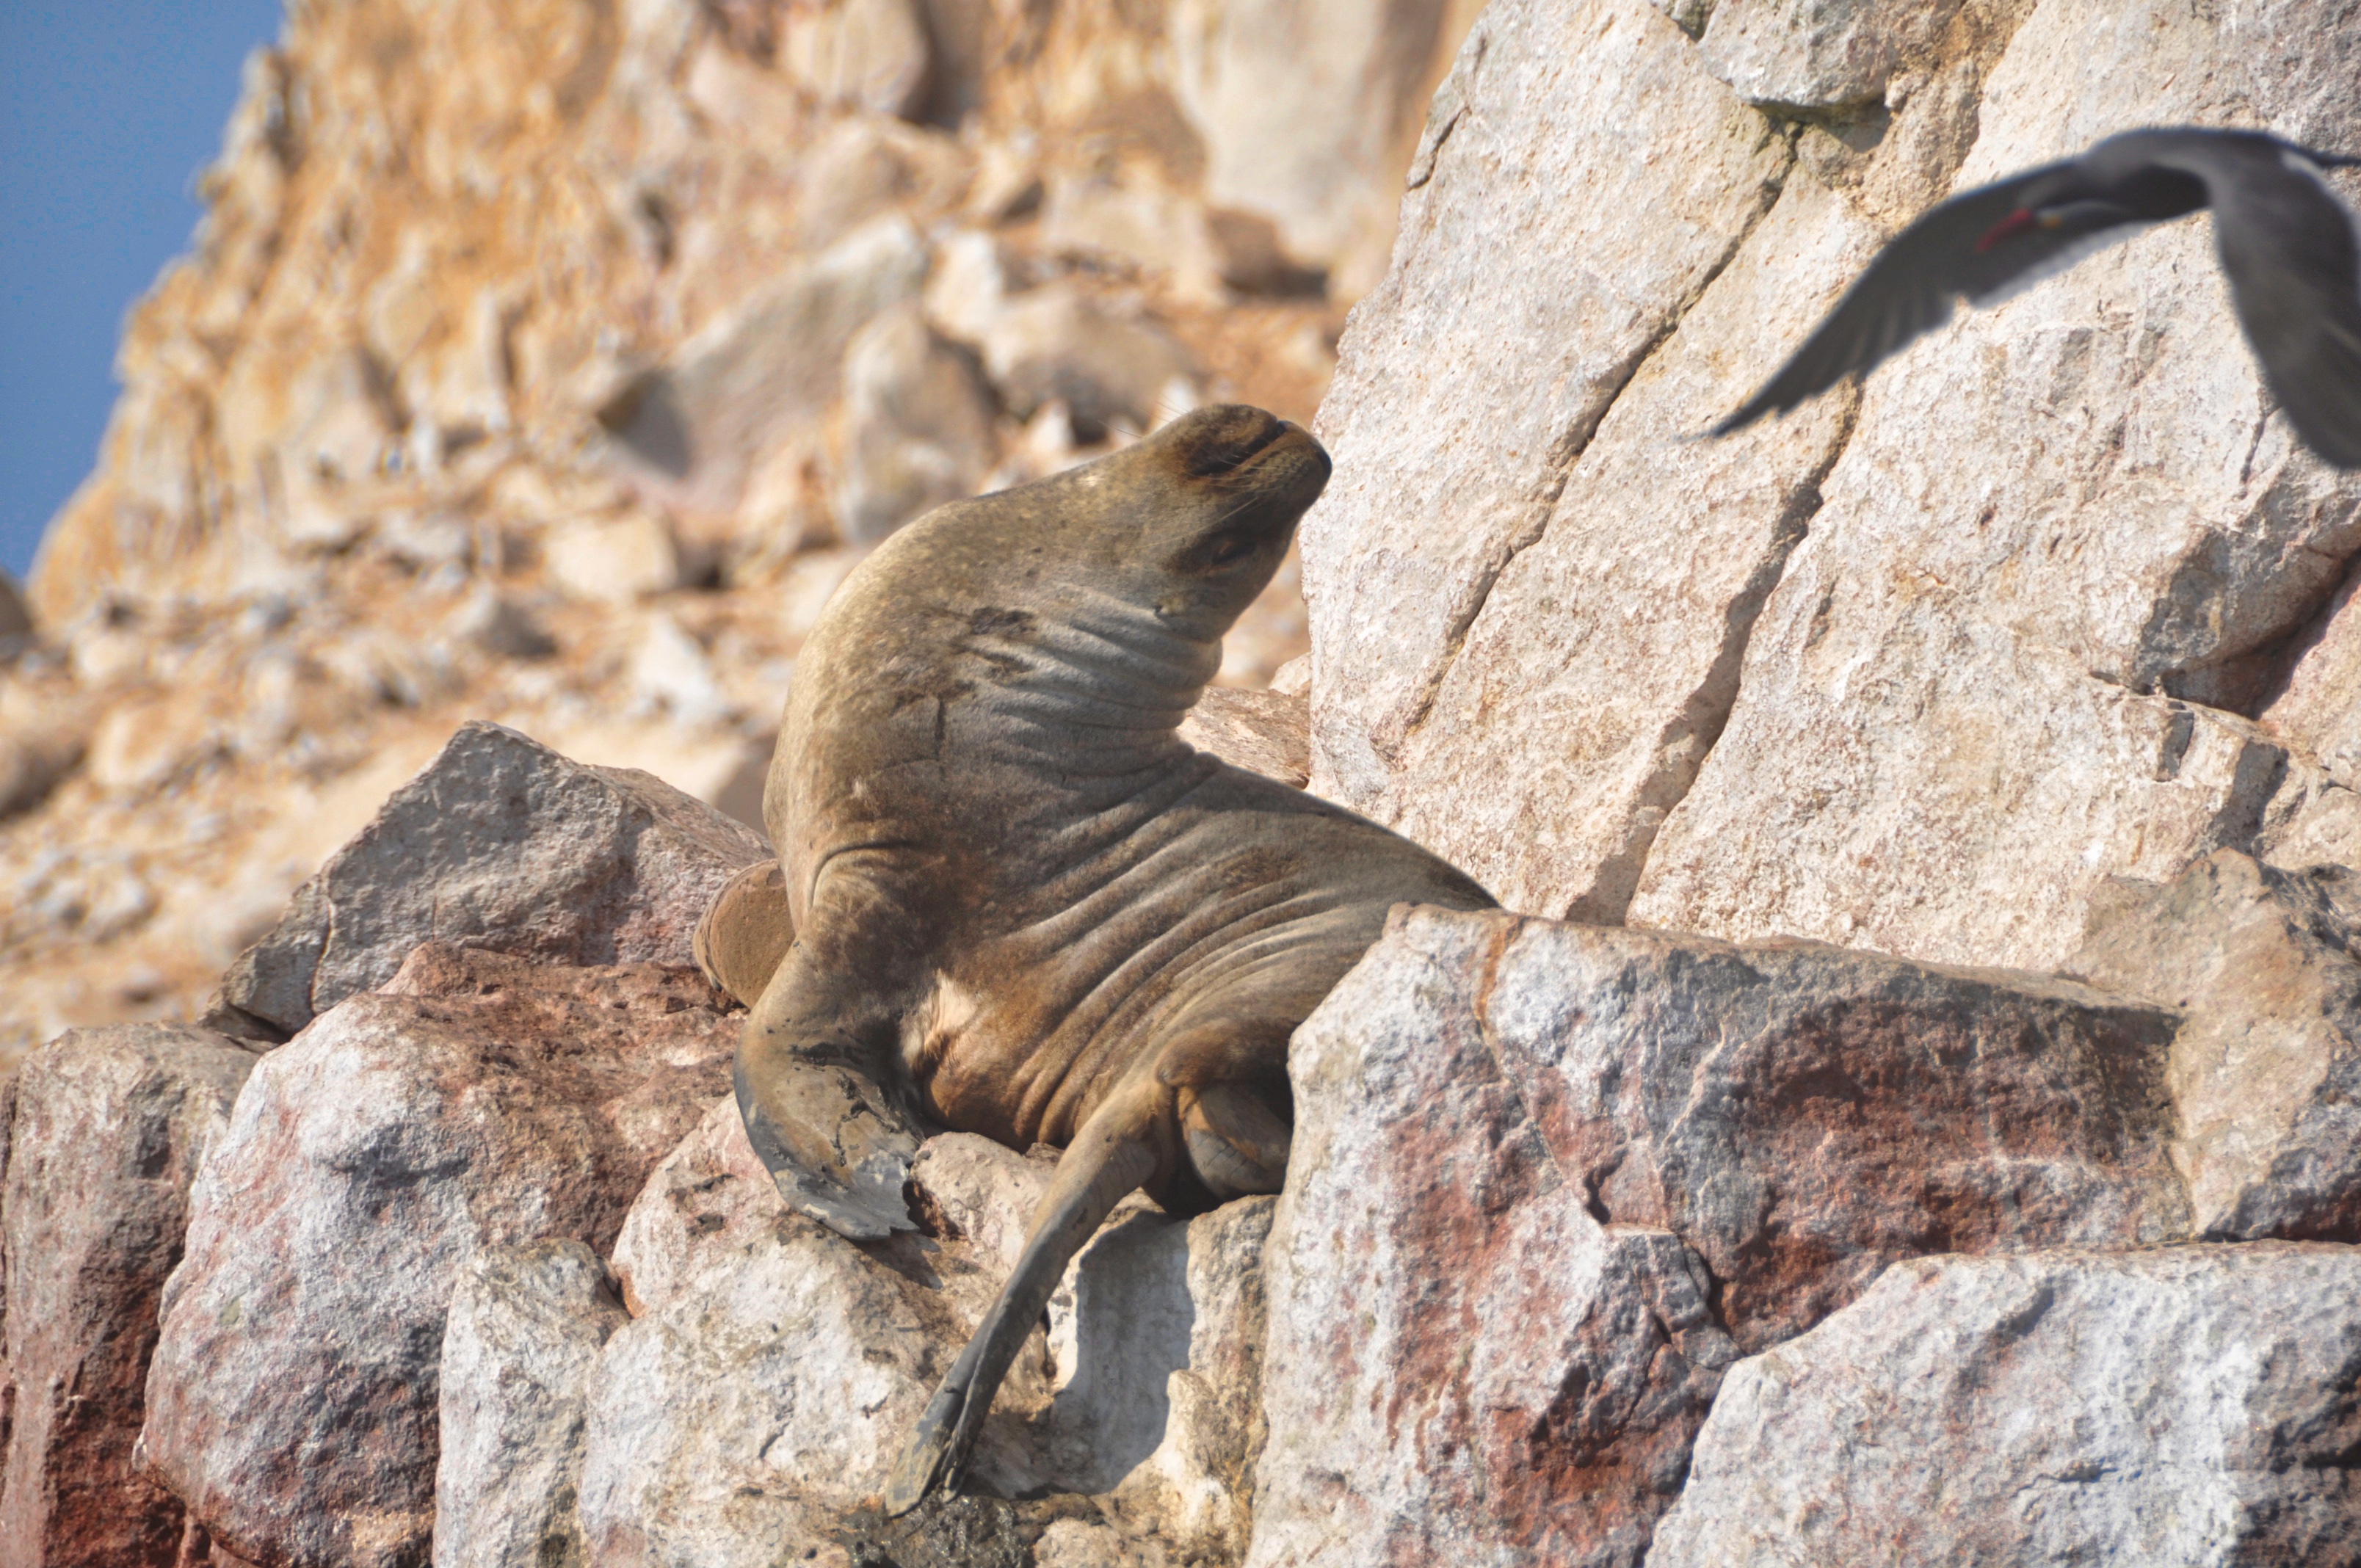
[1463, 1365]
[475, 1101]
[500, 843]
[1549, 1180]
[2192, 1405]
[525, 1324]
[109, 1129]
[1923, 673]
[772, 1370]
[1803, 1116]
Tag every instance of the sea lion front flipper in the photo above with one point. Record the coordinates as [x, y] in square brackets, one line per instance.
[745, 932]
[838, 1144]
[1112, 1155]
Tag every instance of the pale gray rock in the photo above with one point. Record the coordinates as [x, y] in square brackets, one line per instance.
[108, 1130]
[918, 426]
[762, 377]
[1308, 150]
[478, 1101]
[613, 560]
[1462, 1365]
[2266, 1073]
[1599, 668]
[1820, 54]
[1053, 342]
[2065, 535]
[872, 54]
[2319, 708]
[1544, 234]
[1268, 732]
[1802, 1116]
[773, 1369]
[504, 844]
[742, 1420]
[524, 1326]
[1191, 1492]
[2190, 1405]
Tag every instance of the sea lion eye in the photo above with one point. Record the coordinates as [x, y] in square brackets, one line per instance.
[1231, 551]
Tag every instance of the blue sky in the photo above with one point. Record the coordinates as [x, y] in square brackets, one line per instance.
[111, 109]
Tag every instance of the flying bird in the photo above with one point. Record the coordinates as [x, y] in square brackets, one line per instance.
[2288, 246]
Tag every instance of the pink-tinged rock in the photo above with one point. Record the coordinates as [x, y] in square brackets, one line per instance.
[479, 1100]
[2188, 1406]
[504, 844]
[2267, 1072]
[1462, 1365]
[109, 1129]
[1802, 1115]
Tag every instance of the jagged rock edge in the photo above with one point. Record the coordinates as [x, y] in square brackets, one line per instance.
[1700, 715]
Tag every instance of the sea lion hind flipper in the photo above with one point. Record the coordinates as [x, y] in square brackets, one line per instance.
[1112, 1155]
[838, 1144]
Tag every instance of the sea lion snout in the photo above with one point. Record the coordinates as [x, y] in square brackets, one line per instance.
[1224, 441]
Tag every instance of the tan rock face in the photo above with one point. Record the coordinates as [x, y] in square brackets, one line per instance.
[1917, 677]
[2266, 1073]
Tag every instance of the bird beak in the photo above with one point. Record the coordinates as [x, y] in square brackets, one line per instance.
[2016, 224]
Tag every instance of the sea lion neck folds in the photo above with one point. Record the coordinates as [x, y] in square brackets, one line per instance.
[1020, 904]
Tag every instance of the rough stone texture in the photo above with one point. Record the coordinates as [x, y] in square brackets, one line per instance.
[478, 1101]
[1599, 668]
[1818, 54]
[1462, 1365]
[718, 1435]
[1265, 732]
[2319, 708]
[513, 330]
[701, 425]
[2266, 1074]
[2188, 1406]
[1542, 231]
[1298, 146]
[505, 844]
[1802, 1116]
[918, 426]
[109, 1128]
[525, 1324]
[1917, 677]
[2065, 535]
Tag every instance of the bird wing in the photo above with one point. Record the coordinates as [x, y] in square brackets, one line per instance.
[2290, 252]
[1912, 287]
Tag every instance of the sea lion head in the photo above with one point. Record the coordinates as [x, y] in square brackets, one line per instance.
[1187, 524]
[1192, 521]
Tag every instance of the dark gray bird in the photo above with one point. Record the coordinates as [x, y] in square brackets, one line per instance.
[2288, 246]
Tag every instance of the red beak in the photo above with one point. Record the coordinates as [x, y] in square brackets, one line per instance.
[2016, 223]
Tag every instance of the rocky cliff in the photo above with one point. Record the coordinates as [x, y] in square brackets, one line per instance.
[552, 362]
[1905, 1111]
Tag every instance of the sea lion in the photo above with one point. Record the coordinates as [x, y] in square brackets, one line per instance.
[1020, 905]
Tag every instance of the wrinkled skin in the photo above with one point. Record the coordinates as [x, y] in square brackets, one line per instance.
[1015, 902]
